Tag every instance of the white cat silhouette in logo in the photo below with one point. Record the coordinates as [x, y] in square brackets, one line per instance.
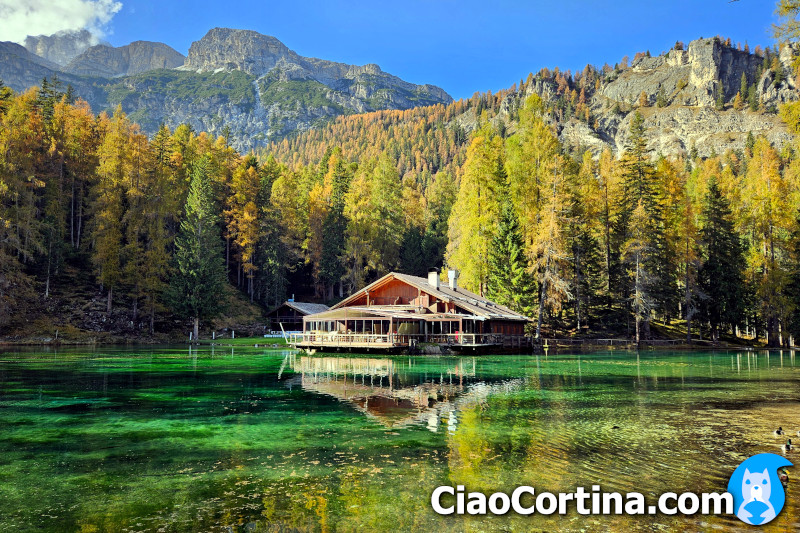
[758, 495]
[756, 489]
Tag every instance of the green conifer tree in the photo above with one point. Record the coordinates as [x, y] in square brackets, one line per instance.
[661, 98]
[509, 281]
[721, 277]
[197, 283]
[752, 98]
[793, 287]
[743, 86]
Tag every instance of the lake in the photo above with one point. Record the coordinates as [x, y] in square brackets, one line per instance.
[246, 439]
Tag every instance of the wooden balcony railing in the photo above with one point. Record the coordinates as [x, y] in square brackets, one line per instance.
[324, 338]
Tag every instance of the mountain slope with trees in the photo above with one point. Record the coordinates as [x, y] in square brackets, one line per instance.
[624, 243]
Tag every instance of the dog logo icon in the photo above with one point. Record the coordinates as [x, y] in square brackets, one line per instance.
[758, 495]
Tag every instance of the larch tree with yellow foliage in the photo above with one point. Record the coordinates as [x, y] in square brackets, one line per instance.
[766, 218]
[243, 217]
[473, 220]
[114, 178]
[550, 246]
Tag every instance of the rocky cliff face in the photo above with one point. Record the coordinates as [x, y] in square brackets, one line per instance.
[62, 47]
[228, 49]
[689, 84]
[110, 62]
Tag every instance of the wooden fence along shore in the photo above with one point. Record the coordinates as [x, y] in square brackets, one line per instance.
[461, 342]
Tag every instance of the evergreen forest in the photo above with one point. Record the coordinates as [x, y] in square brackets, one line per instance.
[583, 243]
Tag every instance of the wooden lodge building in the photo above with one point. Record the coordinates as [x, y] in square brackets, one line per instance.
[290, 315]
[400, 311]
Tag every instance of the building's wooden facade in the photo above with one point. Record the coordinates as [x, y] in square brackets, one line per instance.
[399, 311]
[290, 315]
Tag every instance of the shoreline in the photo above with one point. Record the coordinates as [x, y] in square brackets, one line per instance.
[550, 346]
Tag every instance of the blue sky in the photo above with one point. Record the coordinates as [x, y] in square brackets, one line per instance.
[462, 46]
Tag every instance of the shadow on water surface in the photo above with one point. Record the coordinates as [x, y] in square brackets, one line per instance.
[246, 439]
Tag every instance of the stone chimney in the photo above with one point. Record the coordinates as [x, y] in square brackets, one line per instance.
[452, 275]
[433, 278]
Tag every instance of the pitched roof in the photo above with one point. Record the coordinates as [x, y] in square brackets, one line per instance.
[305, 308]
[463, 298]
[383, 311]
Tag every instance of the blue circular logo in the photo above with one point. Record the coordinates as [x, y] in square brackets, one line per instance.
[758, 495]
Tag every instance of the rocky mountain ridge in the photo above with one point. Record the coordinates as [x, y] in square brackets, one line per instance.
[688, 100]
[110, 62]
[236, 81]
[62, 47]
[259, 55]
[259, 90]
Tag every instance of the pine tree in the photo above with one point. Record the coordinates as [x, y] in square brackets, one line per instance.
[474, 216]
[690, 261]
[114, 174]
[752, 98]
[243, 216]
[166, 195]
[750, 142]
[777, 71]
[439, 198]
[608, 201]
[509, 281]
[721, 276]
[764, 215]
[743, 87]
[197, 283]
[654, 253]
[550, 247]
[271, 257]
[586, 231]
[635, 253]
[670, 187]
[789, 27]
[5, 97]
[793, 286]
[661, 98]
[738, 103]
[334, 228]
[530, 155]
[375, 229]
[638, 172]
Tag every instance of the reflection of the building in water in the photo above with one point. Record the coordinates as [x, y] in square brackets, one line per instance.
[398, 393]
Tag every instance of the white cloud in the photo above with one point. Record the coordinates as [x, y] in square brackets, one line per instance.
[20, 18]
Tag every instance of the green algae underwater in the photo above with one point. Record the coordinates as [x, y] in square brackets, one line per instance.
[248, 439]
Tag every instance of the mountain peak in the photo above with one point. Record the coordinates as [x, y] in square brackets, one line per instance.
[232, 49]
[239, 78]
[139, 56]
[61, 47]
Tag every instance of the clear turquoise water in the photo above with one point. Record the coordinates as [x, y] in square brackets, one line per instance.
[251, 440]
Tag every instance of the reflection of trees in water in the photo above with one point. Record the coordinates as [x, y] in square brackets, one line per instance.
[552, 429]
